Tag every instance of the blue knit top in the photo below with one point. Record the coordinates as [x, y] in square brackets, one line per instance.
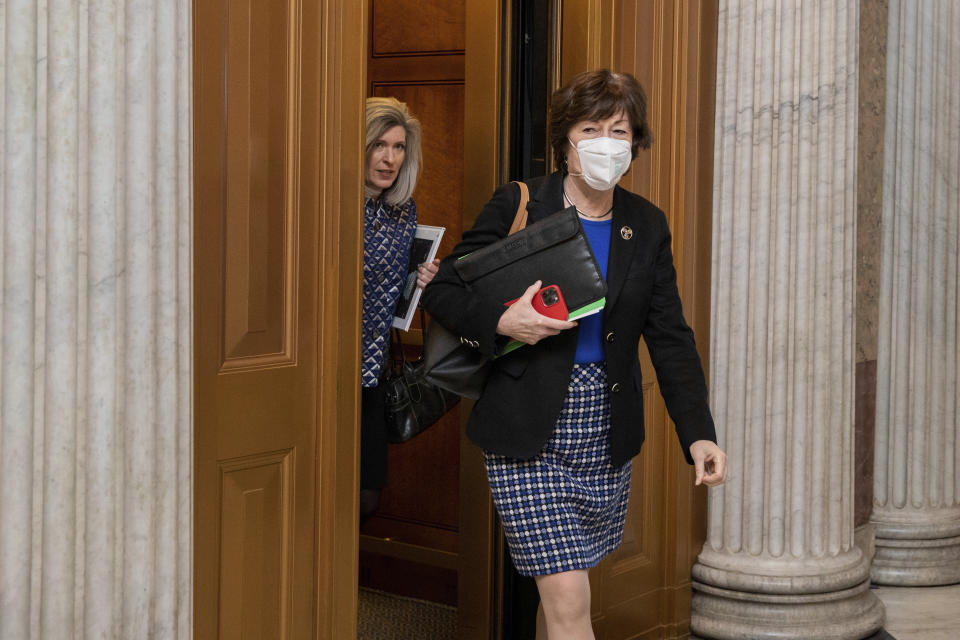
[590, 340]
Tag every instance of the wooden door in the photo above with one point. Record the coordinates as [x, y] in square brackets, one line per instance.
[278, 110]
[484, 153]
[642, 590]
[416, 53]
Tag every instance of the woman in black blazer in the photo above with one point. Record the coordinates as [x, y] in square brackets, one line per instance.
[560, 418]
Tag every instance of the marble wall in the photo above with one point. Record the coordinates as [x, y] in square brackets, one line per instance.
[872, 33]
[871, 95]
[95, 321]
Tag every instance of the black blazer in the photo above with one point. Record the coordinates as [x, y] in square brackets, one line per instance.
[523, 396]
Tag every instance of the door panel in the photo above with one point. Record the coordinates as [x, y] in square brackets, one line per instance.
[258, 284]
[254, 399]
[277, 160]
[256, 515]
[412, 27]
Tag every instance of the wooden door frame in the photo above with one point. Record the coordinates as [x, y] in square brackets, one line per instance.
[478, 579]
[340, 97]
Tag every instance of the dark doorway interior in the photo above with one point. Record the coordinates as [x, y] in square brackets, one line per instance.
[531, 74]
[531, 84]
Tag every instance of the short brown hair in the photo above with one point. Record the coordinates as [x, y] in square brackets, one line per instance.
[596, 95]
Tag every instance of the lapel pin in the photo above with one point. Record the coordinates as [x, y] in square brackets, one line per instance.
[626, 233]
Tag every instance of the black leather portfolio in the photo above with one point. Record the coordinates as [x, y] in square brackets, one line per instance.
[554, 250]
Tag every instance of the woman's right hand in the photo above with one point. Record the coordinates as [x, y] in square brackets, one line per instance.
[522, 322]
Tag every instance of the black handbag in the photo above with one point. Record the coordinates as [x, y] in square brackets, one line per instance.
[451, 364]
[412, 403]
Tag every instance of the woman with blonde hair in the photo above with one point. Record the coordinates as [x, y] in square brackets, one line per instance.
[389, 223]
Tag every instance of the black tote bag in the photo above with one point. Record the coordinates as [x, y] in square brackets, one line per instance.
[412, 402]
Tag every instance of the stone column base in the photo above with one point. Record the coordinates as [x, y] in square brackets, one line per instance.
[724, 614]
[916, 555]
[741, 597]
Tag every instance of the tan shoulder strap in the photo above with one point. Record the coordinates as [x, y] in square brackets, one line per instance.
[520, 220]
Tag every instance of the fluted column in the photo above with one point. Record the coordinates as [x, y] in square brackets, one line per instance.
[780, 559]
[916, 477]
[95, 325]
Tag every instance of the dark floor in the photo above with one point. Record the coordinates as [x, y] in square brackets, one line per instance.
[385, 616]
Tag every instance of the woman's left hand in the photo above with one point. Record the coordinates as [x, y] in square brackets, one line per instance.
[426, 271]
[709, 461]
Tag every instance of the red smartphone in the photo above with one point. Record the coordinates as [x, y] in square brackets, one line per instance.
[549, 302]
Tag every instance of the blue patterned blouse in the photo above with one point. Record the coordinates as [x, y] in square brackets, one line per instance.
[387, 237]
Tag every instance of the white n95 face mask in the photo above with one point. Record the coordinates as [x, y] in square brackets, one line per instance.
[603, 161]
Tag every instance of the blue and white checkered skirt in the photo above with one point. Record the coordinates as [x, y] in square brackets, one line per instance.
[565, 508]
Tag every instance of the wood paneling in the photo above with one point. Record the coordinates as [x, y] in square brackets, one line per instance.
[478, 611]
[260, 278]
[338, 124]
[413, 27]
[256, 521]
[416, 56]
[439, 107]
[643, 589]
[278, 140]
[443, 67]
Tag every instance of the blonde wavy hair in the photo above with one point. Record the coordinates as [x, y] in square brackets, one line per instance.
[384, 114]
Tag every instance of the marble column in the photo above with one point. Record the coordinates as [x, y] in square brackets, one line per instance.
[916, 508]
[780, 560]
[95, 321]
